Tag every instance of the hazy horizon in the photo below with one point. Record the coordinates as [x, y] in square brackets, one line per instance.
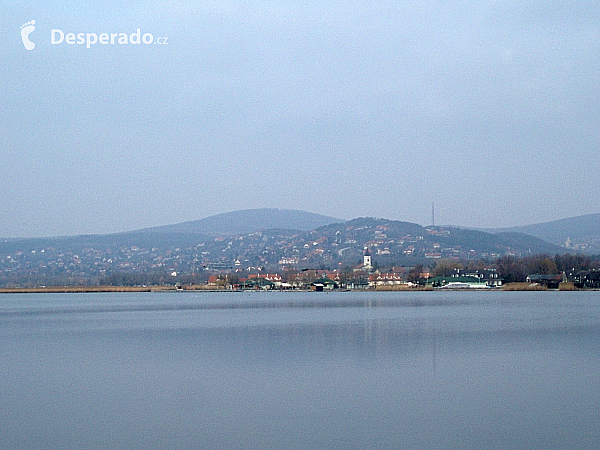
[346, 109]
[490, 229]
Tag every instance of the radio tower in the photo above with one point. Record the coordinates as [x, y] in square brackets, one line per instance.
[433, 214]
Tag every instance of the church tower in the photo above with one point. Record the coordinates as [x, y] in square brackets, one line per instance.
[367, 259]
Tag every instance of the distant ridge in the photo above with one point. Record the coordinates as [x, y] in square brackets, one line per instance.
[248, 221]
[580, 228]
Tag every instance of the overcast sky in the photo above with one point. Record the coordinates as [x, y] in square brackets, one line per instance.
[490, 109]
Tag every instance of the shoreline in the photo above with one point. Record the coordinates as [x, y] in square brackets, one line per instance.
[204, 288]
[85, 289]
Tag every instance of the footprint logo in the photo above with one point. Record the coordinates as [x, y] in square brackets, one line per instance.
[26, 30]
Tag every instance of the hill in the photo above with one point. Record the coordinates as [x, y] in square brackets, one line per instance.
[184, 251]
[583, 232]
[249, 221]
[404, 242]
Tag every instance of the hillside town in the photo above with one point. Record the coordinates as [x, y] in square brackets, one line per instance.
[362, 253]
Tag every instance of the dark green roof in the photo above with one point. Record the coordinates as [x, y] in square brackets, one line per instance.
[446, 280]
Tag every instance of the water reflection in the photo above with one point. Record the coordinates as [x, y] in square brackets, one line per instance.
[440, 370]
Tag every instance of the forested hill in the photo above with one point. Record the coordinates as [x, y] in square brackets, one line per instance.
[249, 221]
[581, 233]
[410, 239]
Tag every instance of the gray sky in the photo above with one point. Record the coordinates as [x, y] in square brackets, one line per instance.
[347, 108]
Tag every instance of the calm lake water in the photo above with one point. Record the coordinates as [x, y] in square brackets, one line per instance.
[422, 370]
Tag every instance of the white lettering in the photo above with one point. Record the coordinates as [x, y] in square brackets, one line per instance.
[89, 39]
[92, 38]
[135, 35]
[53, 36]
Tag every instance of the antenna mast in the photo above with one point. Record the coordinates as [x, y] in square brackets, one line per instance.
[433, 214]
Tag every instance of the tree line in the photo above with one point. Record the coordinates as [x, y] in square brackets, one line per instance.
[515, 269]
